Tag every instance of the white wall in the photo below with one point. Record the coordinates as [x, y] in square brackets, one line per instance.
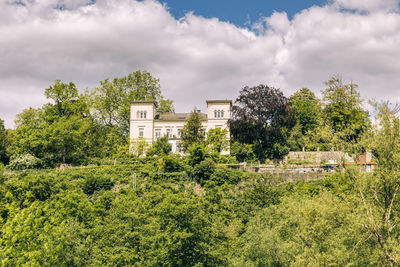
[146, 123]
[149, 125]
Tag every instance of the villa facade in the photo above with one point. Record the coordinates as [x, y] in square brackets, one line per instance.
[148, 125]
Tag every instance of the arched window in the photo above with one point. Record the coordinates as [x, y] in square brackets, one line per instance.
[144, 114]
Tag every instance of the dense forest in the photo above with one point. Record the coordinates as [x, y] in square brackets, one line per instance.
[130, 204]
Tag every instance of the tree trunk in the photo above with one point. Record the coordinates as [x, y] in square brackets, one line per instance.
[64, 154]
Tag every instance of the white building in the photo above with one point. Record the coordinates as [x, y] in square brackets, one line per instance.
[147, 124]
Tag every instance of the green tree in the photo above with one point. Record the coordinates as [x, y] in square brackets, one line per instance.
[161, 147]
[192, 132]
[197, 153]
[64, 95]
[343, 109]
[307, 109]
[59, 132]
[243, 152]
[262, 116]
[217, 139]
[203, 171]
[111, 100]
[379, 191]
[3, 143]
[305, 232]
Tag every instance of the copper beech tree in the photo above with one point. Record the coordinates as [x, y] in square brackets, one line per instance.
[262, 116]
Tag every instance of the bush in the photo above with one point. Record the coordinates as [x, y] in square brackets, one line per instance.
[1, 173]
[171, 164]
[197, 153]
[24, 161]
[171, 176]
[92, 184]
[222, 175]
[203, 171]
[223, 159]
[160, 148]
[243, 152]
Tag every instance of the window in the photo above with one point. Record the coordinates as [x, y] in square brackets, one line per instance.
[157, 133]
[179, 133]
[218, 113]
[168, 133]
[141, 132]
[141, 114]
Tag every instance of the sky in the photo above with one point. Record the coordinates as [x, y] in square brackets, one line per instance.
[198, 49]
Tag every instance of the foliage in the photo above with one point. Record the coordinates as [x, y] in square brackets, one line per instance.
[92, 184]
[197, 153]
[223, 175]
[243, 152]
[24, 161]
[3, 143]
[304, 232]
[343, 109]
[171, 164]
[203, 171]
[378, 193]
[139, 147]
[193, 210]
[111, 100]
[307, 109]
[217, 140]
[192, 132]
[160, 147]
[62, 94]
[262, 116]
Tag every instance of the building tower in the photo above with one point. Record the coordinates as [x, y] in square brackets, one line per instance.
[142, 120]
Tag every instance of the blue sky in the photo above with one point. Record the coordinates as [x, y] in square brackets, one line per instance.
[238, 12]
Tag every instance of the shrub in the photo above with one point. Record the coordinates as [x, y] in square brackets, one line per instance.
[171, 164]
[222, 175]
[24, 161]
[203, 171]
[171, 176]
[160, 148]
[1, 173]
[92, 184]
[197, 153]
[243, 152]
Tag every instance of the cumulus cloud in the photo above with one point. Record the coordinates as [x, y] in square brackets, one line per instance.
[368, 5]
[195, 58]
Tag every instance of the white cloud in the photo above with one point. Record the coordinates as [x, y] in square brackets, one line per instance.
[195, 58]
[368, 5]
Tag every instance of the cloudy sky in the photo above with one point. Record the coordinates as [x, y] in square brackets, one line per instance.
[199, 52]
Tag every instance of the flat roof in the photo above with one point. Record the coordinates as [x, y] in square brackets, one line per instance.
[177, 116]
[144, 102]
[219, 101]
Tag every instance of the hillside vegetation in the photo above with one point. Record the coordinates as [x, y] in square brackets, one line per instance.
[94, 217]
[192, 210]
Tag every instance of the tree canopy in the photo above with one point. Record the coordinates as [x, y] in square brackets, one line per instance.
[262, 116]
[192, 132]
[111, 101]
[343, 109]
[3, 143]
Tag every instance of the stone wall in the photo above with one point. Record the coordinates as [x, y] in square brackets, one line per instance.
[318, 157]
